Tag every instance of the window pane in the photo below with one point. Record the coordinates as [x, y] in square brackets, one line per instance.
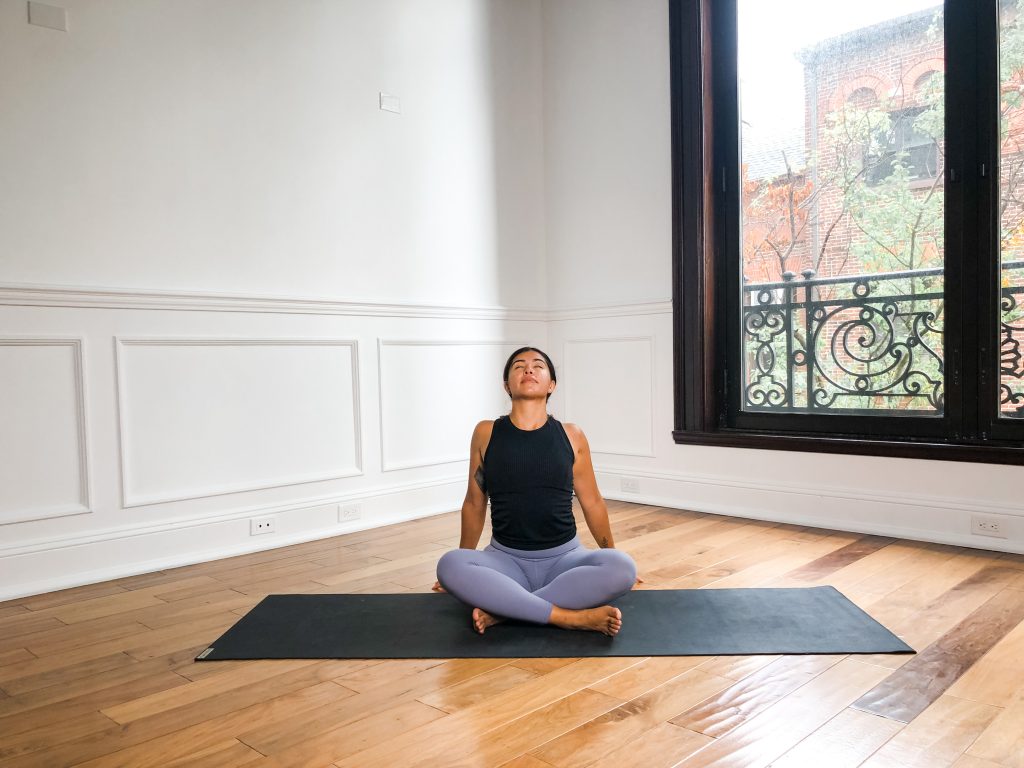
[842, 206]
[1011, 209]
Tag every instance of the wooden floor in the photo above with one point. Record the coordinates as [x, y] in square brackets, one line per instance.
[103, 675]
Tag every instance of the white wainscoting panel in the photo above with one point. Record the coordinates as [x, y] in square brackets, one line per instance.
[609, 392]
[43, 447]
[200, 417]
[433, 393]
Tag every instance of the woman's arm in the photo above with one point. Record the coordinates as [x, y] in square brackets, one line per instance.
[595, 512]
[474, 508]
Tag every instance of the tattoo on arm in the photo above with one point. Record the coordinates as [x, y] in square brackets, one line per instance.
[479, 477]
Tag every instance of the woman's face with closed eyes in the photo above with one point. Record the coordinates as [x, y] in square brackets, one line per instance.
[529, 376]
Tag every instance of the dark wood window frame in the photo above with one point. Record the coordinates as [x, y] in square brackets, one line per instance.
[705, 159]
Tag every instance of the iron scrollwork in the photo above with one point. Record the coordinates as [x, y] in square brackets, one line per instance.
[861, 342]
[1011, 361]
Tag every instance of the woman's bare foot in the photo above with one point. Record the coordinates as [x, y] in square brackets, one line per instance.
[482, 620]
[605, 619]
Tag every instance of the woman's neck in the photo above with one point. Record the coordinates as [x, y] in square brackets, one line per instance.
[529, 414]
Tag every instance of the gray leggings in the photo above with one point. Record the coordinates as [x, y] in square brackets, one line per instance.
[525, 584]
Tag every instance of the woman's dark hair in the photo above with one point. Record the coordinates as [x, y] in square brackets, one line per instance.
[512, 357]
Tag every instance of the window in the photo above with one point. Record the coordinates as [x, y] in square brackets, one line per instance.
[848, 200]
[906, 147]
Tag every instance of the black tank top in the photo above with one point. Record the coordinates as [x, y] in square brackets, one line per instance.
[528, 474]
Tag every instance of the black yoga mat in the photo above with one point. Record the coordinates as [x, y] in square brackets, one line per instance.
[687, 622]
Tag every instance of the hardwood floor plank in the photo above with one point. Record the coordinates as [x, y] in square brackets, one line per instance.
[526, 761]
[353, 738]
[178, 732]
[72, 637]
[166, 640]
[770, 568]
[229, 754]
[720, 563]
[175, 593]
[287, 733]
[14, 628]
[102, 689]
[72, 595]
[919, 561]
[195, 692]
[967, 761]
[648, 674]
[132, 638]
[752, 695]
[455, 697]
[520, 735]
[542, 666]
[121, 602]
[840, 558]
[662, 549]
[997, 677]
[398, 550]
[422, 563]
[919, 682]
[938, 737]
[660, 747]
[437, 740]
[776, 730]
[184, 733]
[736, 667]
[15, 656]
[14, 683]
[153, 578]
[856, 578]
[283, 569]
[389, 670]
[191, 610]
[928, 607]
[55, 705]
[1002, 741]
[603, 735]
[387, 588]
[31, 741]
[845, 741]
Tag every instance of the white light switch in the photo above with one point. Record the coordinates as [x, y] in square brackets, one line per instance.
[390, 103]
[51, 16]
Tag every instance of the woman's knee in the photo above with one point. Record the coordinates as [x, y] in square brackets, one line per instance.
[622, 566]
[451, 564]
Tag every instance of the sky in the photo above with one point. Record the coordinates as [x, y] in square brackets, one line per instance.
[771, 31]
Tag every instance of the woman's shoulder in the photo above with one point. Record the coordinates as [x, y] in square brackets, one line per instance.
[575, 434]
[571, 429]
[482, 431]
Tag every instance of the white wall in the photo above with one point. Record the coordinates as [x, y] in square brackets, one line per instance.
[237, 146]
[606, 127]
[232, 287]
[607, 171]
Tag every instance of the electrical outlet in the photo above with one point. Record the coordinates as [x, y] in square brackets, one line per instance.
[349, 512]
[630, 484]
[259, 525]
[988, 525]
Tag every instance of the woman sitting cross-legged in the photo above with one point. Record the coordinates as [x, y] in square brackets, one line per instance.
[535, 568]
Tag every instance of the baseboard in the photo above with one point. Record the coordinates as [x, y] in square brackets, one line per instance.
[40, 567]
[904, 516]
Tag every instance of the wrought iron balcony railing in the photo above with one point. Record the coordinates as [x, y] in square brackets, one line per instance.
[863, 343]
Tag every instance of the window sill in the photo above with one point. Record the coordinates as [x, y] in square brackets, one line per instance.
[991, 452]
